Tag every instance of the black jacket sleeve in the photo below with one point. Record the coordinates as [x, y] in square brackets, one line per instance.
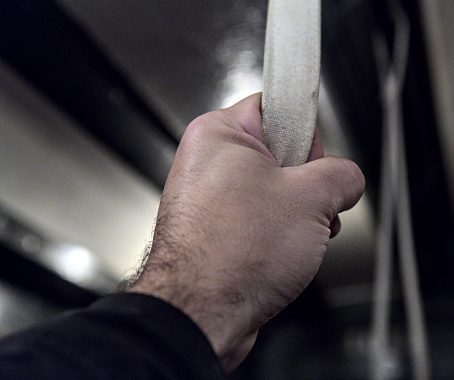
[123, 336]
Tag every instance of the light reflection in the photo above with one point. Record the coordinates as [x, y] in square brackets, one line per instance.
[240, 85]
[244, 78]
[240, 54]
[73, 262]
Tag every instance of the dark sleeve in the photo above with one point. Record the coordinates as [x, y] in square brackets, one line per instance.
[123, 336]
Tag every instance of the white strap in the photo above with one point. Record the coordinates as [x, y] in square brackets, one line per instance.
[291, 78]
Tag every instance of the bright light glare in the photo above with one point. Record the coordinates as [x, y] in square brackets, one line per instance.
[243, 79]
[75, 263]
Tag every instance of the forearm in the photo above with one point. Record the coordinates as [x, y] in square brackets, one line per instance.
[121, 336]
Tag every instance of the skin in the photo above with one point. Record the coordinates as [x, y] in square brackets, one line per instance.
[238, 238]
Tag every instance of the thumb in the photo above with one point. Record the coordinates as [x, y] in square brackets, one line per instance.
[246, 116]
[336, 183]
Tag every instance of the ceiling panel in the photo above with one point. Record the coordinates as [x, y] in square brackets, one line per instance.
[61, 181]
[184, 57]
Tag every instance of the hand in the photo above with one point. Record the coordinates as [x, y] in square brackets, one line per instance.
[238, 237]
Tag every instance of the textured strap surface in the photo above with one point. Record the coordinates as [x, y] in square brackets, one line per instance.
[291, 78]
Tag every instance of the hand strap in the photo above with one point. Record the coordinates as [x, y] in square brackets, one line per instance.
[291, 78]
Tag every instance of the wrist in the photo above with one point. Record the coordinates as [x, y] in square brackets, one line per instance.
[224, 317]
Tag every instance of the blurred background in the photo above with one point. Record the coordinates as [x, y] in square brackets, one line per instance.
[94, 98]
